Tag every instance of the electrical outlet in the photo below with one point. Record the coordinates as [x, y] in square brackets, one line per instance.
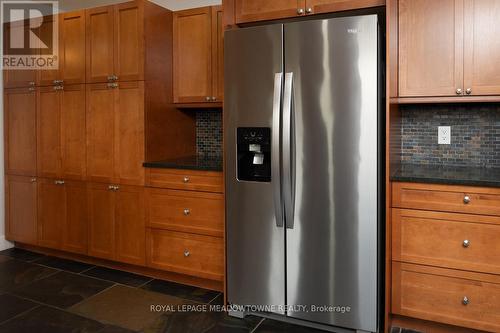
[444, 135]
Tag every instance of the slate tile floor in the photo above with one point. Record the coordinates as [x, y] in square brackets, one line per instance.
[45, 294]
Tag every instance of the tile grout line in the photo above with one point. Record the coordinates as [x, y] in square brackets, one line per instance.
[86, 299]
[257, 326]
[213, 299]
[20, 314]
[145, 283]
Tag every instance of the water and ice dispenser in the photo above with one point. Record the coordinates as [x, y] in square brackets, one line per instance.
[254, 154]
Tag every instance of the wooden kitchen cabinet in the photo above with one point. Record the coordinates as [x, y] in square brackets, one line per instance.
[117, 225]
[21, 209]
[197, 52]
[100, 46]
[115, 132]
[62, 215]
[61, 132]
[72, 47]
[246, 11]
[20, 131]
[430, 48]
[482, 47]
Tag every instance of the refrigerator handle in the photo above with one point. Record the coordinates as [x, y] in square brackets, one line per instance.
[288, 145]
[276, 151]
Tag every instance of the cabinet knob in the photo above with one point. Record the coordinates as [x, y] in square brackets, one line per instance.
[187, 211]
[466, 243]
[32, 83]
[33, 180]
[208, 98]
[112, 78]
[459, 91]
[466, 300]
[214, 98]
[56, 82]
[58, 88]
[186, 179]
[113, 188]
[31, 89]
[112, 85]
[466, 199]
[186, 253]
[300, 11]
[468, 91]
[309, 10]
[59, 182]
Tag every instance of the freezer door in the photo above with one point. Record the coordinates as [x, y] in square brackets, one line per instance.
[255, 235]
[331, 237]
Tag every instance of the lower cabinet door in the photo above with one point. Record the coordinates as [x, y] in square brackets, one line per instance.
[20, 209]
[101, 215]
[75, 227]
[51, 212]
[130, 225]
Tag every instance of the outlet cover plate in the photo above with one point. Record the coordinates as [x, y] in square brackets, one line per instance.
[444, 135]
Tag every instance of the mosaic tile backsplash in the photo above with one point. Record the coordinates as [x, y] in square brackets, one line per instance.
[209, 132]
[475, 134]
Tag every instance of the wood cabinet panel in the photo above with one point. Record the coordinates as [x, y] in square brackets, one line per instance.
[193, 212]
[73, 132]
[21, 209]
[130, 225]
[482, 47]
[101, 215]
[218, 53]
[430, 47]
[20, 131]
[46, 77]
[129, 133]
[328, 6]
[51, 213]
[437, 239]
[49, 157]
[72, 47]
[100, 133]
[438, 294]
[190, 254]
[260, 10]
[75, 228]
[129, 41]
[100, 46]
[209, 181]
[446, 198]
[17, 78]
[192, 55]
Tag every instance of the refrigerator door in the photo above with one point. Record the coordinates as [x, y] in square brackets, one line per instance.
[331, 209]
[255, 235]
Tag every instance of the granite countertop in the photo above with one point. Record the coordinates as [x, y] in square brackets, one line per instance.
[195, 162]
[450, 175]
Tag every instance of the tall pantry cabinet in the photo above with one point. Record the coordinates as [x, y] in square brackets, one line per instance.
[76, 137]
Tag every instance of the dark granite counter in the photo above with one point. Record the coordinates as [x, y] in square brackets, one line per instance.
[197, 162]
[450, 175]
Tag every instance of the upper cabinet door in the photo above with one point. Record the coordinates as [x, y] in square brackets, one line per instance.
[20, 209]
[129, 133]
[99, 43]
[20, 131]
[192, 56]
[218, 53]
[49, 132]
[430, 47]
[260, 10]
[129, 41]
[73, 132]
[328, 6]
[17, 78]
[482, 47]
[72, 47]
[47, 77]
[100, 132]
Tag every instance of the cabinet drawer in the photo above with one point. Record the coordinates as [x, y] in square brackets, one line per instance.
[454, 297]
[446, 198]
[190, 254]
[468, 242]
[187, 211]
[208, 181]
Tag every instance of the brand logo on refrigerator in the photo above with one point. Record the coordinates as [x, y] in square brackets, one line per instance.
[353, 30]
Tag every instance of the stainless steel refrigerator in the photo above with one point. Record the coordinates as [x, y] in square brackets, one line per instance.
[303, 134]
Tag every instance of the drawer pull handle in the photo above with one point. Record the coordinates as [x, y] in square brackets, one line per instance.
[466, 243]
[187, 211]
[466, 199]
[186, 253]
[186, 179]
[465, 301]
